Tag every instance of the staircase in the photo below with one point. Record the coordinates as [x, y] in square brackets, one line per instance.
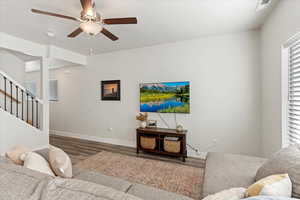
[18, 101]
[20, 116]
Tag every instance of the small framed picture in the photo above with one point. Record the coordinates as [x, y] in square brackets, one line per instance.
[110, 90]
[152, 124]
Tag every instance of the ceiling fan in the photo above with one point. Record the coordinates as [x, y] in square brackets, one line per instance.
[91, 21]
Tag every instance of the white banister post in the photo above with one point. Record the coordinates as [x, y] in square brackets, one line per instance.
[45, 95]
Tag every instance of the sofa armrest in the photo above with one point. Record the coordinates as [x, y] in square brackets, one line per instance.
[224, 171]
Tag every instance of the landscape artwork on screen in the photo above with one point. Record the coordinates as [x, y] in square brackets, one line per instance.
[166, 97]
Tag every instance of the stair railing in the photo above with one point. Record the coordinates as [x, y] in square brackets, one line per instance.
[18, 101]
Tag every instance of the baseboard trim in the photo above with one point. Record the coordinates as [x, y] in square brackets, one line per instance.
[126, 143]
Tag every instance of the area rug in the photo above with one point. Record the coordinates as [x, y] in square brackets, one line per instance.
[172, 177]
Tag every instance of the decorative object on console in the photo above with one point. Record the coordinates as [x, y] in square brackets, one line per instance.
[179, 128]
[151, 124]
[143, 124]
[143, 119]
[111, 90]
[165, 97]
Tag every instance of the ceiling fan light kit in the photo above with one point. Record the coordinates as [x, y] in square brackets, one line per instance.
[91, 21]
[91, 28]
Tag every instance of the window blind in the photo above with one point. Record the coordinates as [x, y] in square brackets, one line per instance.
[53, 94]
[293, 121]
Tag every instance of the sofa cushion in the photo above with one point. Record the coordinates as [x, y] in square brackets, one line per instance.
[269, 198]
[101, 179]
[19, 183]
[225, 171]
[36, 162]
[150, 193]
[230, 194]
[15, 153]
[287, 161]
[66, 189]
[60, 162]
[275, 185]
[44, 153]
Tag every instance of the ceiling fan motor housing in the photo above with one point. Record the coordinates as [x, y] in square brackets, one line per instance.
[95, 17]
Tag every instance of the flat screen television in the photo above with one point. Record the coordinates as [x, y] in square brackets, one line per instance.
[165, 97]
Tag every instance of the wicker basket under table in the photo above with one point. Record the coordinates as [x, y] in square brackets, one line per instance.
[172, 146]
[148, 142]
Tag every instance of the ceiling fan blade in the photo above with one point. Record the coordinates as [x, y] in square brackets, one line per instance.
[86, 5]
[52, 14]
[75, 33]
[128, 20]
[109, 34]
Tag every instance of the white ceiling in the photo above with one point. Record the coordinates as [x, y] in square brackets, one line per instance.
[159, 21]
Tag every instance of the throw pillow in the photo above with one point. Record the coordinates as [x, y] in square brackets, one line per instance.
[36, 162]
[231, 194]
[15, 153]
[276, 185]
[285, 161]
[269, 198]
[60, 162]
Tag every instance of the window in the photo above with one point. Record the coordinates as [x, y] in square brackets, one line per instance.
[53, 96]
[31, 86]
[291, 93]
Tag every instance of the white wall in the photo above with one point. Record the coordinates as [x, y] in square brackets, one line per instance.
[13, 132]
[12, 129]
[13, 66]
[225, 92]
[280, 26]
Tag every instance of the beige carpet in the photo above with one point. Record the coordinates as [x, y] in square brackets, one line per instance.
[172, 177]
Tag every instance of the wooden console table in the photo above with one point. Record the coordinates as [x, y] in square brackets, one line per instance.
[159, 134]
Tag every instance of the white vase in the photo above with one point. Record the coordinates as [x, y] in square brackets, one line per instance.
[179, 128]
[143, 124]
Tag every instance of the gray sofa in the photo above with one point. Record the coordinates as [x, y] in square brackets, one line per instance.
[19, 183]
[224, 171]
[138, 190]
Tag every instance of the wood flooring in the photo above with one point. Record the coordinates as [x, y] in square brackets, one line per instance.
[79, 150]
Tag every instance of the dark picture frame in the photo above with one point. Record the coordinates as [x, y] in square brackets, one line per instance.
[111, 90]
